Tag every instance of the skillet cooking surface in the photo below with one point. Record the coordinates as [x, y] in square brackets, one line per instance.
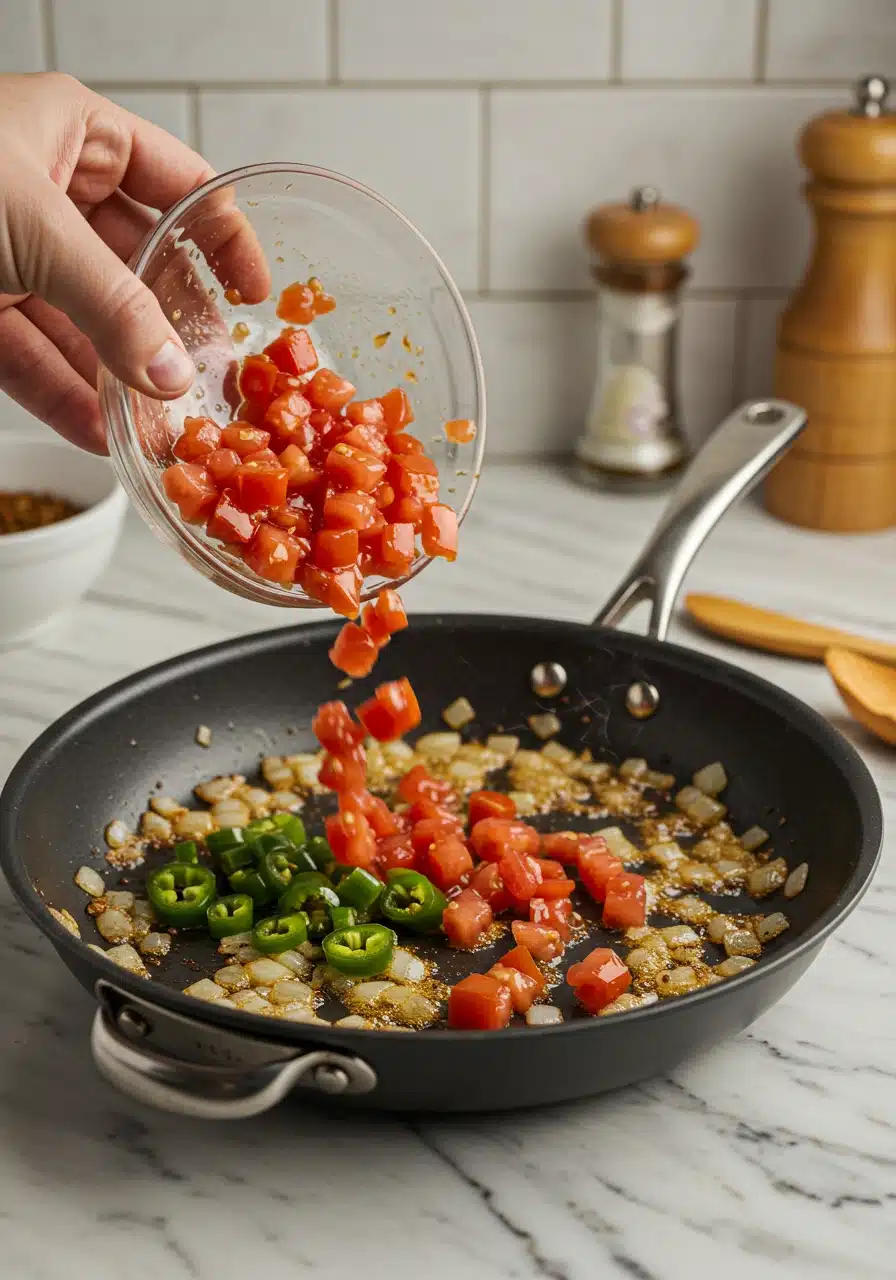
[789, 770]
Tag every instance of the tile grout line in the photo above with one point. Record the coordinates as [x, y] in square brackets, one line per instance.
[195, 118]
[674, 87]
[333, 41]
[48, 34]
[616, 23]
[485, 189]
[760, 66]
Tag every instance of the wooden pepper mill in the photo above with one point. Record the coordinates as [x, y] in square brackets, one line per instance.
[836, 353]
[633, 438]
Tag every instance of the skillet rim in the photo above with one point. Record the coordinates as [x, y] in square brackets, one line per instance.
[808, 721]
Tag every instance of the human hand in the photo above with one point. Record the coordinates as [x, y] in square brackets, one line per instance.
[78, 178]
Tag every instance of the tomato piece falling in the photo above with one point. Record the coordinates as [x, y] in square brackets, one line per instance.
[192, 488]
[274, 554]
[335, 729]
[418, 783]
[230, 523]
[439, 531]
[296, 304]
[258, 377]
[392, 712]
[414, 476]
[397, 410]
[338, 589]
[344, 773]
[350, 511]
[596, 870]
[383, 821]
[553, 913]
[259, 486]
[354, 651]
[625, 906]
[544, 944]
[599, 979]
[447, 863]
[487, 882]
[460, 430]
[489, 804]
[384, 617]
[479, 1003]
[327, 390]
[521, 958]
[523, 990]
[351, 839]
[200, 437]
[244, 439]
[466, 918]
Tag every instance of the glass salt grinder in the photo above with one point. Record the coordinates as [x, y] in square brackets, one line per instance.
[633, 440]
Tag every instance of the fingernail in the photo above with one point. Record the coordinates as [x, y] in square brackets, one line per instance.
[170, 369]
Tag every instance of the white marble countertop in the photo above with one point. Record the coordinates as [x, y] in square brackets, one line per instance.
[772, 1156]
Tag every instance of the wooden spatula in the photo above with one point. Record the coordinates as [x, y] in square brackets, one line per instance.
[778, 633]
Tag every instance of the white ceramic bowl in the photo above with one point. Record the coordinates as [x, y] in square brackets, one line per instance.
[45, 571]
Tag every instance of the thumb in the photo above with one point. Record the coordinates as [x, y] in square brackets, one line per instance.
[72, 269]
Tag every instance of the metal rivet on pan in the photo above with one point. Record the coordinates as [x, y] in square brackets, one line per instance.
[331, 1079]
[642, 700]
[548, 679]
[133, 1024]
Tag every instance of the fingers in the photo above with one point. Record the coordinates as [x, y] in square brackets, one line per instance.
[224, 234]
[68, 340]
[69, 266]
[39, 377]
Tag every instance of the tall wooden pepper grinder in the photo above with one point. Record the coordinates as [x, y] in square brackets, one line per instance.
[633, 438]
[836, 353]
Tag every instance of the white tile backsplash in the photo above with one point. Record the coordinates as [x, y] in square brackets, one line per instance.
[418, 149]
[496, 125]
[474, 40]
[689, 39]
[192, 40]
[21, 36]
[727, 154]
[833, 39]
[540, 366]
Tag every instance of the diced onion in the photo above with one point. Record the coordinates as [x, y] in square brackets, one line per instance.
[753, 838]
[155, 945]
[205, 989]
[559, 754]
[667, 853]
[301, 1013]
[231, 945]
[717, 928]
[796, 881]
[659, 781]
[116, 834]
[367, 992]
[632, 768]
[410, 1005]
[121, 899]
[277, 773]
[525, 802]
[734, 965]
[769, 927]
[505, 744]
[90, 881]
[291, 991]
[220, 788]
[298, 965]
[619, 844]
[741, 942]
[305, 770]
[166, 807]
[193, 824]
[231, 812]
[232, 977]
[767, 878]
[711, 779]
[285, 801]
[353, 1020]
[154, 826]
[544, 725]
[543, 1015]
[677, 981]
[698, 806]
[679, 935]
[458, 713]
[438, 746]
[258, 801]
[115, 925]
[251, 1002]
[203, 735]
[265, 972]
[127, 958]
[406, 967]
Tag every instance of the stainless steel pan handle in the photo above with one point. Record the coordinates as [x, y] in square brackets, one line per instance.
[736, 456]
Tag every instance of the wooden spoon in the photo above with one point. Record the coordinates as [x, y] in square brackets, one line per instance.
[868, 688]
[763, 629]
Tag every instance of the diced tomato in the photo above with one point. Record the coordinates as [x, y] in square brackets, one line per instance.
[335, 548]
[192, 488]
[544, 944]
[351, 468]
[396, 550]
[259, 487]
[287, 382]
[428, 831]
[493, 837]
[263, 458]
[392, 712]
[404, 442]
[418, 783]
[625, 906]
[406, 511]
[551, 890]
[424, 808]
[327, 390]
[487, 882]
[351, 839]
[521, 958]
[344, 773]
[439, 531]
[250, 413]
[562, 845]
[599, 979]
[396, 851]
[229, 523]
[366, 413]
[554, 913]
[489, 804]
[551, 870]
[296, 304]
[523, 990]
[292, 516]
[274, 554]
[300, 475]
[350, 511]
[287, 418]
[369, 439]
[596, 870]
[200, 437]
[520, 873]
[381, 818]
[384, 617]
[293, 352]
[479, 1003]
[258, 374]
[397, 409]
[338, 589]
[335, 729]
[592, 844]
[244, 438]
[414, 475]
[466, 918]
[221, 464]
[447, 862]
[354, 652]
[383, 496]
[460, 430]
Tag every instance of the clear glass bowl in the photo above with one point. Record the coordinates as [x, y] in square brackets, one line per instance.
[248, 234]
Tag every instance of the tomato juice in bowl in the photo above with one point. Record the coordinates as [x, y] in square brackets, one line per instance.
[219, 263]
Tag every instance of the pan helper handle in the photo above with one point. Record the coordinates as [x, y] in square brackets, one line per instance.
[735, 457]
